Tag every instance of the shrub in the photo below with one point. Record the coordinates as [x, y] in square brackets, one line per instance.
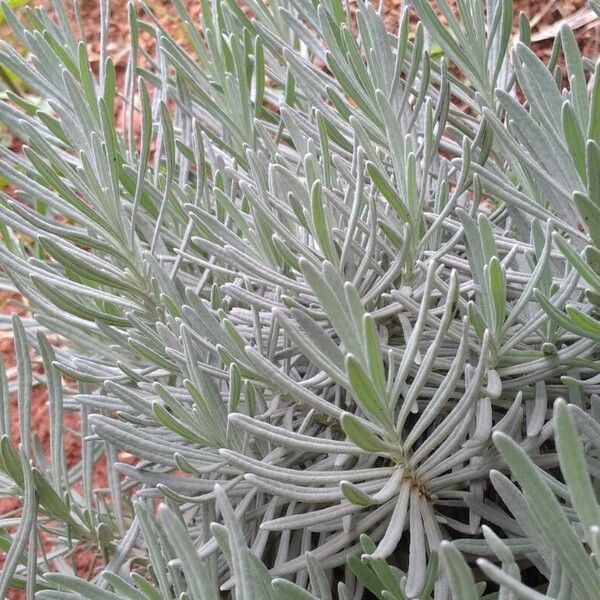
[330, 288]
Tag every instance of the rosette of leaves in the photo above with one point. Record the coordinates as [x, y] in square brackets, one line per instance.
[278, 292]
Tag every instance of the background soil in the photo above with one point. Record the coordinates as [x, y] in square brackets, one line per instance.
[545, 16]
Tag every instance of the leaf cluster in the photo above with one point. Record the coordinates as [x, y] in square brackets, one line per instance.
[334, 289]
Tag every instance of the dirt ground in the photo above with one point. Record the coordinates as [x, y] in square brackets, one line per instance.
[544, 15]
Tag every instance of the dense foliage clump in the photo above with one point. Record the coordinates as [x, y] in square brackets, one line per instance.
[325, 298]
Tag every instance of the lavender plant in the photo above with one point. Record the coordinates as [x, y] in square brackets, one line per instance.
[329, 292]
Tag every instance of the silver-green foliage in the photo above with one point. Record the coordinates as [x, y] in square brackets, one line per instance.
[280, 288]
